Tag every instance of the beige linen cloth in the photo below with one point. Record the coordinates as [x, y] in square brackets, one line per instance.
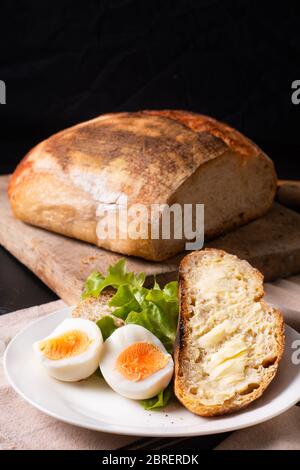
[24, 427]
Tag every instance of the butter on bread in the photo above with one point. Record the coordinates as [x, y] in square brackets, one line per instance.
[229, 341]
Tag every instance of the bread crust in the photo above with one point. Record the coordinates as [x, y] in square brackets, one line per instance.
[229, 406]
[201, 123]
[146, 156]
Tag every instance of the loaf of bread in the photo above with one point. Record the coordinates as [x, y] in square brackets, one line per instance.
[160, 157]
[229, 341]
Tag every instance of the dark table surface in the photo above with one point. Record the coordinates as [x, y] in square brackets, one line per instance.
[19, 287]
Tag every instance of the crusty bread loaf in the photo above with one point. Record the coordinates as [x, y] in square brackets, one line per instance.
[229, 341]
[160, 157]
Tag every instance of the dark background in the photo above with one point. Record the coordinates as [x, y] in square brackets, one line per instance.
[66, 61]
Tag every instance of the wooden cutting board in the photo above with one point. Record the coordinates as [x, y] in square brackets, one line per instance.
[271, 243]
[288, 193]
[62, 263]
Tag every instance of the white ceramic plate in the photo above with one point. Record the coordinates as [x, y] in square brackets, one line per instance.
[92, 404]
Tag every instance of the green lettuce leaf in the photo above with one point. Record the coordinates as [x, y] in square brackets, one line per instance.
[156, 286]
[160, 400]
[168, 307]
[140, 318]
[107, 326]
[92, 284]
[125, 301]
[156, 321]
[117, 276]
[171, 291]
[155, 309]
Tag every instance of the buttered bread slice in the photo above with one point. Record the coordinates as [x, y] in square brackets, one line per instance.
[229, 341]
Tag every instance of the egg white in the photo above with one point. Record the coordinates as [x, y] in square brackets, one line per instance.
[114, 345]
[81, 366]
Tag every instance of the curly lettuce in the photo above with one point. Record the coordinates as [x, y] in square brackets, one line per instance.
[159, 401]
[156, 309]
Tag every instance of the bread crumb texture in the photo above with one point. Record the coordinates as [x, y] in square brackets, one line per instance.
[231, 341]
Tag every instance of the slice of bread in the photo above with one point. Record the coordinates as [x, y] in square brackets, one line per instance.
[229, 341]
[95, 308]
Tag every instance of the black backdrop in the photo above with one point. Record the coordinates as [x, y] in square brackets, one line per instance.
[66, 61]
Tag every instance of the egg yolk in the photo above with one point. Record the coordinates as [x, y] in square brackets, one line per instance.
[140, 360]
[69, 344]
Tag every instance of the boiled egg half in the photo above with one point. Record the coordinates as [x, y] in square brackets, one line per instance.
[135, 363]
[72, 351]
